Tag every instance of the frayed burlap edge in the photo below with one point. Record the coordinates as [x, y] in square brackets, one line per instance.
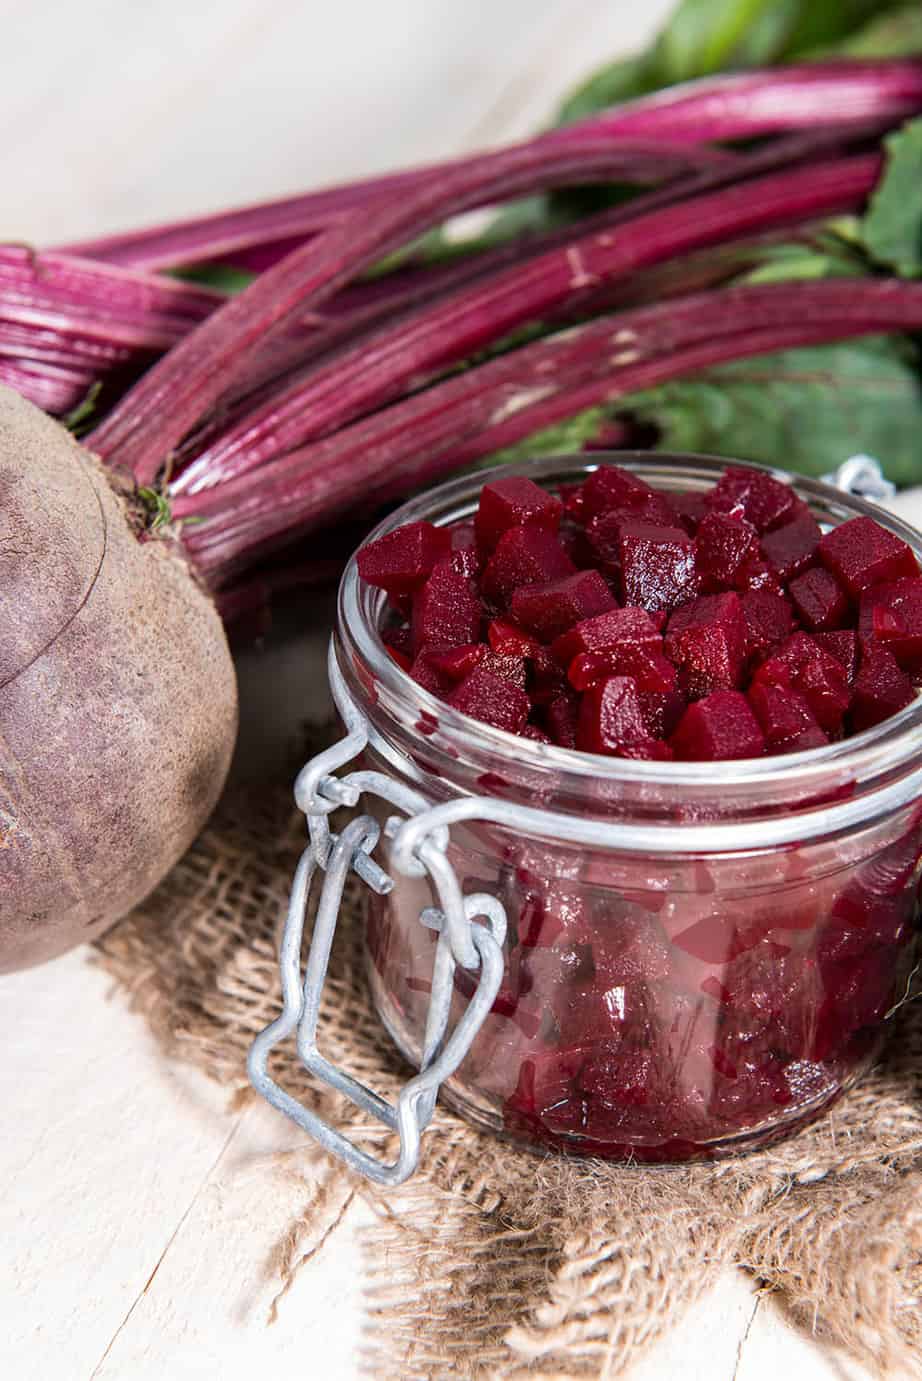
[495, 1262]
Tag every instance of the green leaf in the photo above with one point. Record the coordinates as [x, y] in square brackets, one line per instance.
[157, 506]
[807, 409]
[828, 257]
[561, 439]
[893, 223]
[222, 276]
[896, 34]
[619, 81]
[78, 418]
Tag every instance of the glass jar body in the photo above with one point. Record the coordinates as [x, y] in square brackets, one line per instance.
[682, 1001]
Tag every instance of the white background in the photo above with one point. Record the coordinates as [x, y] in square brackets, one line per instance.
[137, 1213]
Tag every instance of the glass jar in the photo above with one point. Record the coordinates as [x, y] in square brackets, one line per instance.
[706, 979]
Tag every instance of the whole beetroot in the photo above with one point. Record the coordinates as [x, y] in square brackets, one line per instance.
[118, 704]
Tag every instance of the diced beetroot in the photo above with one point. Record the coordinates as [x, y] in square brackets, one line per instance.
[786, 719]
[514, 502]
[509, 640]
[714, 939]
[595, 1011]
[617, 628]
[511, 668]
[548, 678]
[819, 601]
[648, 668]
[892, 615]
[549, 610]
[881, 688]
[720, 726]
[546, 1095]
[611, 721]
[792, 548]
[705, 640]
[454, 663]
[603, 532]
[843, 646]
[399, 636]
[757, 574]
[763, 501]
[488, 697]
[661, 713]
[723, 545]
[657, 566]
[465, 553]
[561, 716]
[527, 555]
[689, 508]
[401, 560]
[632, 950]
[611, 487]
[445, 610]
[619, 1078]
[861, 553]
[426, 673]
[767, 620]
[531, 731]
[801, 664]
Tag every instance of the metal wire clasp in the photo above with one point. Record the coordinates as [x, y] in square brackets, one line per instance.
[471, 932]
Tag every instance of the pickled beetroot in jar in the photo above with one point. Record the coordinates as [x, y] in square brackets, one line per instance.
[707, 729]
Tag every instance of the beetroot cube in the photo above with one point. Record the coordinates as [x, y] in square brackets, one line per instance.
[757, 574]
[891, 614]
[403, 660]
[720, 726]
[525, 555]
[657, 566]
[607, 631]
[786, 720]
[454, 663]
[561, 716]
[767, 620]
[611, 721]
[507, 665]
[426, 674]
[513, 502]
[819, 600]
[801, 664]
[715, 939]
[490, 698]
[550, 609]
[548, 678]
[465, 553]
[792, 548]
[761, 500]
[881, 688]
[445, 610]
[400, 561]
[611, 487]
[661, 713]
[647, 667]
[604, 530]
[510, 641]
[531, 731]
[689, 508]
[861, 553]
[706, 641]
[725, 542]
[843, 646]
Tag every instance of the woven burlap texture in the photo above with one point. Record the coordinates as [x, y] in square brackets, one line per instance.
[505, 1263]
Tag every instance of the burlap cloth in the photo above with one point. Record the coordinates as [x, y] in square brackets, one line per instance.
[509, 1264]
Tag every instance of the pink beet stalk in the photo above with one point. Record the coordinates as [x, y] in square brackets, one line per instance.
[381, 367]
[721, 108]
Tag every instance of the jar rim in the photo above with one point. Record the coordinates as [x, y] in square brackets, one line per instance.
[875, 753]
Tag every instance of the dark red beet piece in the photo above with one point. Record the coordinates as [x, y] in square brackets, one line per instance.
[402, 659]
[786, 719]
[892, 615]
[819, 601]
[455, 663]
[705, 640]
[488, 697]
[689, 508]
[757, 574]
[525, 555]
[767, 620]
[611, 721]
[611, 487]
[607, 631]
[720, 726]
[792, 548]
[801, 664]
[548, 678]
[401, 560]
[465, 553]
[657, 566]
[661, 713]
[861, 553]
[724, 543]
[603, 532]
[881, 688]
[510, 641]
[513, 502]
[507, 665]
[550, 609]
[843, 646]
[763, 501]
[560, 716]
[536, 735]
[445, 610]
[647, 667]
[426, 674]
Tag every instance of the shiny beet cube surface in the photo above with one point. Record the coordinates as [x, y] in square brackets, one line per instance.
[626, 621]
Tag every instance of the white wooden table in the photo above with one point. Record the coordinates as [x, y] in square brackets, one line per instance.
[137, 1212]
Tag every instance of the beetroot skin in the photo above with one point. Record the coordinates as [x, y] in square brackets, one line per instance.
[703, 627]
